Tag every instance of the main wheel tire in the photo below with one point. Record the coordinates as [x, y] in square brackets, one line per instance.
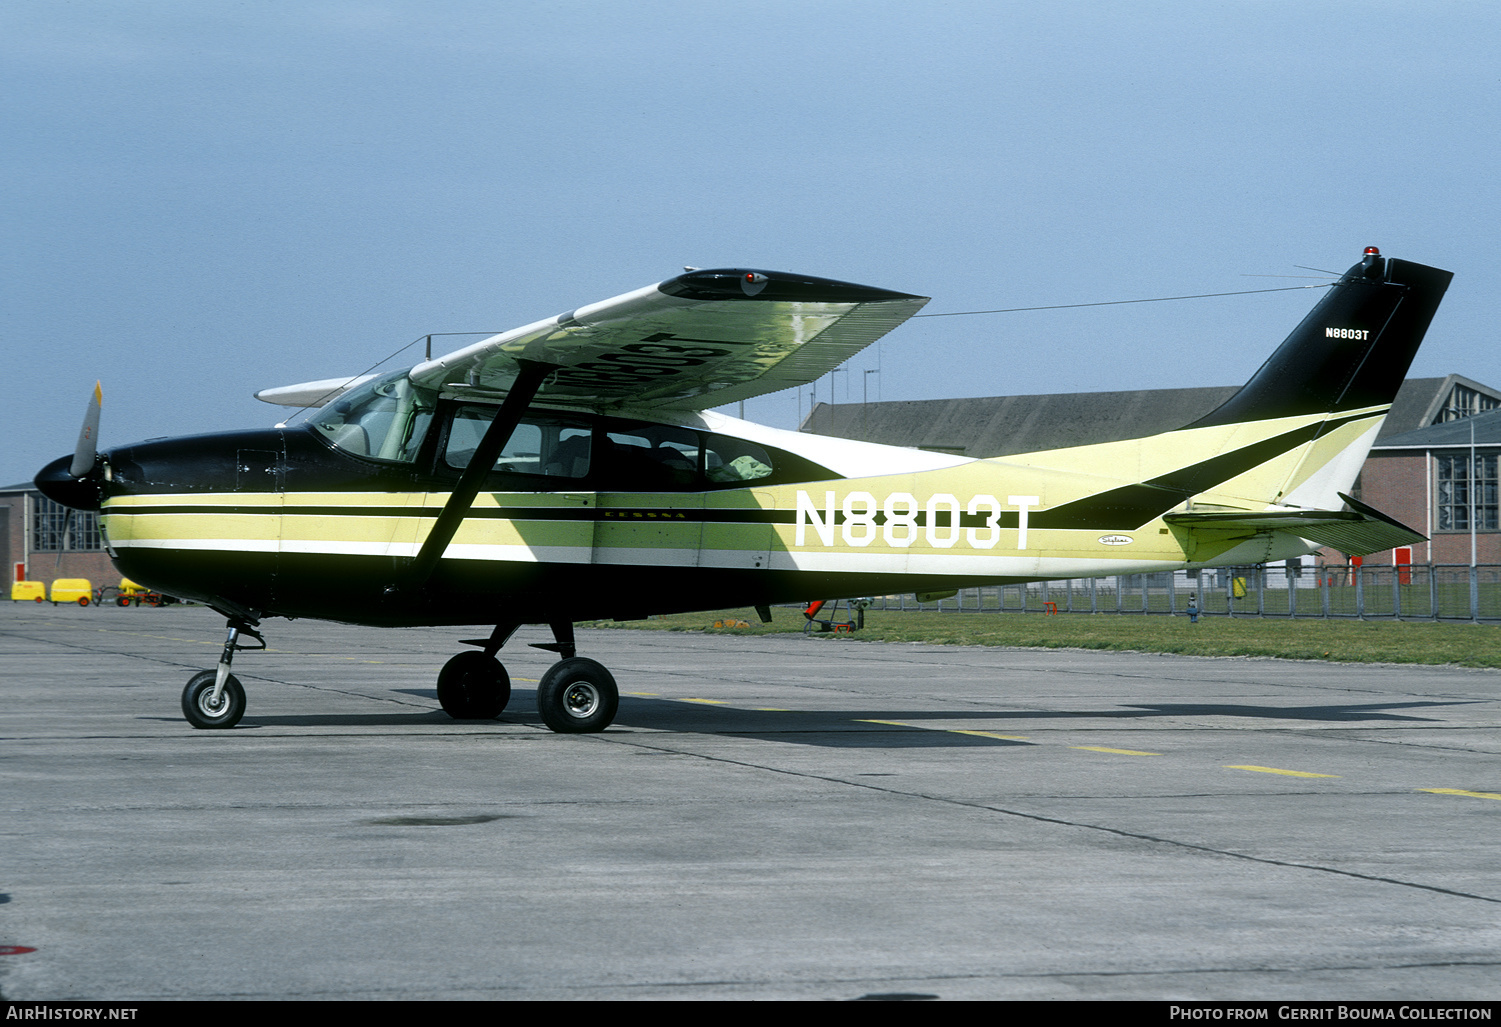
[201, 712]
[576, 696]
[473, 686]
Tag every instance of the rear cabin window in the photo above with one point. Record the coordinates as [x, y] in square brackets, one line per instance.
[649, 458]
[663, 458]
[729, 462]
[611, 455]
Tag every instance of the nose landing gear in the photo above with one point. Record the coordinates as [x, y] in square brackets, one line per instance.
[215, 698]
[208, 704]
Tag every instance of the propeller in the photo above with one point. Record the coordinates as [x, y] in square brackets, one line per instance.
[88, 437]
[76, 481]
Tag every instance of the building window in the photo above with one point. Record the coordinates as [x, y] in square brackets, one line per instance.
[53, 531]
[1463, 486]
[1464, 402]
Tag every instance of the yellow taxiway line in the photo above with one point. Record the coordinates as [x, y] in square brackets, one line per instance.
[1276, 770]
[1122, 752]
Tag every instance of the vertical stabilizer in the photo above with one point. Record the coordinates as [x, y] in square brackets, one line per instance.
[1351, 352]
[1341, 368]
[1295, 436]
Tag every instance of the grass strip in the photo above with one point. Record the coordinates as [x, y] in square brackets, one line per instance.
[1460, 644]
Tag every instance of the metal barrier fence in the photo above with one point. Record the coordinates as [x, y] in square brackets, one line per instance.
[1417, 592]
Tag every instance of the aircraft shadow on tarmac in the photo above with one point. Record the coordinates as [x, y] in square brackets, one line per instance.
[863, 729]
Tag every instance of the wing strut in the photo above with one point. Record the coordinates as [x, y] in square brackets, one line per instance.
[532, 375]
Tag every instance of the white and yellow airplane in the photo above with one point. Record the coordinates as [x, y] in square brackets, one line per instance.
[572, 470]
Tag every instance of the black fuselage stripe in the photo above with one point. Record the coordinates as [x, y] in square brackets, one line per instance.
[504, 513]
[531, 513]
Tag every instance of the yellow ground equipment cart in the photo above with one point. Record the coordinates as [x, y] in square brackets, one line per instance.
[22, 590]
[72, 590]
[131, 594]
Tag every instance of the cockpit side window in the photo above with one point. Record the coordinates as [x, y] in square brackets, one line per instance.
[384, 419]
[550, 447]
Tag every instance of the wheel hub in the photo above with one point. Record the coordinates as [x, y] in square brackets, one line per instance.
[581, 699]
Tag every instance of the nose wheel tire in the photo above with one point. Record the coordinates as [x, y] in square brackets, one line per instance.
[577, 696]
[473, 686]
[200, 709]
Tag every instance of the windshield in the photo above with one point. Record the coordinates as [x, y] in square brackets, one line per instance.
[385, 418]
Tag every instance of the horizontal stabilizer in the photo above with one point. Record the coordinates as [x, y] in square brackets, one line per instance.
[1358, 531]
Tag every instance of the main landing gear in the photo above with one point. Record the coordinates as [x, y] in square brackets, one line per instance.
[575, 696]
[214, 698]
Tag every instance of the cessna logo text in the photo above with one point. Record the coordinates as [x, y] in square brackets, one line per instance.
[899, 519]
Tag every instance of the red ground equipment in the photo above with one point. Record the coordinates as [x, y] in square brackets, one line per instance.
[816, 624]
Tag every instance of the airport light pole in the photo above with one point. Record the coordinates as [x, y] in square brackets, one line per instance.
[1474, 569]
[837, 370]
[865, 405]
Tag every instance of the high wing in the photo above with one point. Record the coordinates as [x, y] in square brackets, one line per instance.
[696, 341]
[700, 340]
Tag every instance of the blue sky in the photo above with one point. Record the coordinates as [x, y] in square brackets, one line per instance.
[203, 199]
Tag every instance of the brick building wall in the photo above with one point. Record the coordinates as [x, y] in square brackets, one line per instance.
[45, 566]
[1403, 485]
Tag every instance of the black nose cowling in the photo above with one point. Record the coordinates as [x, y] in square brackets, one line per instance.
[61, 487]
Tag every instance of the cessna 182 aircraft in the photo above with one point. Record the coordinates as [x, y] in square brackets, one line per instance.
[572, 470]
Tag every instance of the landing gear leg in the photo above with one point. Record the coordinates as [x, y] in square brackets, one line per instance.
[475, 686]
[576, 695]
[215, 698]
